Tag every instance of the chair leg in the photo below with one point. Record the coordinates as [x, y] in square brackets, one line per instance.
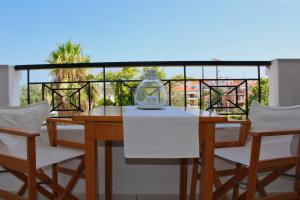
[251, 186]
[217, 183]
[194, 181]
[22, 190]
[235, 191]
[73, 181]
[58, 188]
[31, 183]
[236, 187]
[46, 193]
[261, 190]
[54, 177]
[230, 183]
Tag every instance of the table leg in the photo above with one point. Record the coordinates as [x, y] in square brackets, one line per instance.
[207, 166]
[90, 163]
[183, 179]
[108, 170]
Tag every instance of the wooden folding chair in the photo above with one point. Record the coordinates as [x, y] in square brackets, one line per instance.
[196, 175]
[270, 148]
[28, 160]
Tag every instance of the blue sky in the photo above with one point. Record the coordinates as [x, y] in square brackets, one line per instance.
[135, 30]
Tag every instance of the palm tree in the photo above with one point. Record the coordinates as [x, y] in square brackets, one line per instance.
[70, 52]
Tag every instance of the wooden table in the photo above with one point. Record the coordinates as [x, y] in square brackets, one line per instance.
[106, 124]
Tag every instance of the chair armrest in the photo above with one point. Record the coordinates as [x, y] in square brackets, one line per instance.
[275, 132]
[63, 121]
[52, 133]
[17, 132]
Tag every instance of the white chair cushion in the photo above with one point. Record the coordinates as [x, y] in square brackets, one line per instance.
[48, 155]
[26, 118]
[266, 118]
[269, 150]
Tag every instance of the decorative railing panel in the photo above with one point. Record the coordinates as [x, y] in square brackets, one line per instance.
[223, 95]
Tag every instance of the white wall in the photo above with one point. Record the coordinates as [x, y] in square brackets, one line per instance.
[284, 77]
[9, 86]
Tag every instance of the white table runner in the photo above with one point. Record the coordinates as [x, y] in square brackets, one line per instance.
[169, 133]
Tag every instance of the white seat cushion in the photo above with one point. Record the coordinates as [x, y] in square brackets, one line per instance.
[277, 148]
[47, 155]
[267, 118]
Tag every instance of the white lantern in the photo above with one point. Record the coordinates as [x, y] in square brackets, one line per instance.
[150, 93]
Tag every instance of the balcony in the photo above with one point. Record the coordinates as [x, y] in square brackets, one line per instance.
[230, 96]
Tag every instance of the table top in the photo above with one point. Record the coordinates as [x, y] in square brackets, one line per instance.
[114, 114]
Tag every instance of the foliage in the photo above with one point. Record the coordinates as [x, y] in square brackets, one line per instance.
[70, 52]
[264, 88]
[127, 73]
[160, 72]
[35, 94]
[128, 87]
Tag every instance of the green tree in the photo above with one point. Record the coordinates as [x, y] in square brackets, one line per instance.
[124, 75]
[35, 94]
[264, 88]
[127, 73]
[160, 72]
[65, 53]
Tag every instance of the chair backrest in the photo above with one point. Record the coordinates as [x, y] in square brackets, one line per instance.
[27, 118]
[266, 118]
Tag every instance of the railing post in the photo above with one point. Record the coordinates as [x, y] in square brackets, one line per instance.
[9, 86]
[259, 85]
[28, 86]
[184, 75]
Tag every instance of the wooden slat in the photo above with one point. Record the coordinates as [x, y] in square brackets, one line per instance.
[260, 188]
[218, 184]
[58, 188]
[283, 196]
[22, 190]
[52, 132]
[226, 172]
[10, 196]
[236, 186]
[64, 121]
[18, 132]
[72, 182]
[276, 132]
[70, 172]
[274, 175]
[242, 173]
[70, 144]
[278, 162]
[227, 144]
[14, 163]
[46, 193]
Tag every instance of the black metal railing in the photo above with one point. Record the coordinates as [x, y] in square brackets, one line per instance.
[226, 96]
